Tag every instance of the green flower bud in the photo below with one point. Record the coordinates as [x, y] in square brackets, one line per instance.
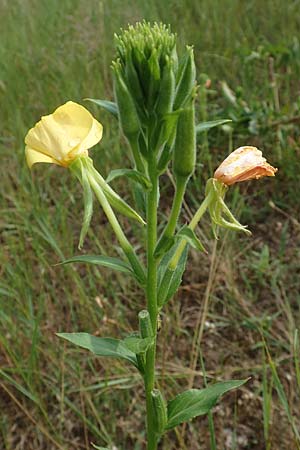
[167, 90]
[160, 411]
[186, 79]
[128, 116]
[146, 48]
[154, 78]
[184, 156]
[133, 81]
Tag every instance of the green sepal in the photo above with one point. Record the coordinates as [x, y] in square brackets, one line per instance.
[110, 347]
[114, 199]
[111, 107]
[189, 235]
[197, 402]
[206, 126]
[217, 208]
[132, 174]
[78, 169]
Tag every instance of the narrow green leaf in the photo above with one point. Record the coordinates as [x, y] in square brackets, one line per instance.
[19, 387]
[105, 104]
[163, 245]
[105, 261]
[169, 281]
[205, 126]
[101, 346]
[190, 236]
[137, 345]
[197, 402]
[132, 174]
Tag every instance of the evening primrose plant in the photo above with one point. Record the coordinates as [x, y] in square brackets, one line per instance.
[155, 94]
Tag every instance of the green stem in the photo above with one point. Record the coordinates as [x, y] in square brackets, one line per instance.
[181, 183]
[195, 220]
[151, 299]
[125, 244]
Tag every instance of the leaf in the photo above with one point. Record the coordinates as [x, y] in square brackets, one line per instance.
[196, 402]
[105, 104]
[138, 345]
[205, 126]
[101, 346]
[189, 235]
[169, 281]
[135, 175]
[105, 261]
[163, 245]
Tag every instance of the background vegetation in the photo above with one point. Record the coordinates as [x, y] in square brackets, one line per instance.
[55, 396]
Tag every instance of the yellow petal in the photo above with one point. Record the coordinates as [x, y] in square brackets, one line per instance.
[33, 156]
[94, 136]
[60, 133]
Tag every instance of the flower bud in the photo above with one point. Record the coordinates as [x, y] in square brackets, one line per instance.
[146, 48]
[245, 163]
[186, 80]
[127, 111]
[167, 90]
[184, 156]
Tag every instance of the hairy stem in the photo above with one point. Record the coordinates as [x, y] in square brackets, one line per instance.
[151, 299]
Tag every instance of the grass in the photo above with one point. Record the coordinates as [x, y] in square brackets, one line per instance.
[54, 396]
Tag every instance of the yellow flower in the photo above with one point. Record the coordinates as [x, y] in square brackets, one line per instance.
[61, 137]
[245, 163]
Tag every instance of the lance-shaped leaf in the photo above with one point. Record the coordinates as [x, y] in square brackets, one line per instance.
[132, 174]
[189, 235]
[197, 402]
[105, 261]
[114, 348]
[170, 280]
[137, 344]
[205, 126]
[111, 107]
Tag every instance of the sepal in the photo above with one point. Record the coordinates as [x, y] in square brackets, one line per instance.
[218, 208]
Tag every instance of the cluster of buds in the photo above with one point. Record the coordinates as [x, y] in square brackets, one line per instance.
[152, 88]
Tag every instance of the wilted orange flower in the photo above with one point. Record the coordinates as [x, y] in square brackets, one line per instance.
[245, 163]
